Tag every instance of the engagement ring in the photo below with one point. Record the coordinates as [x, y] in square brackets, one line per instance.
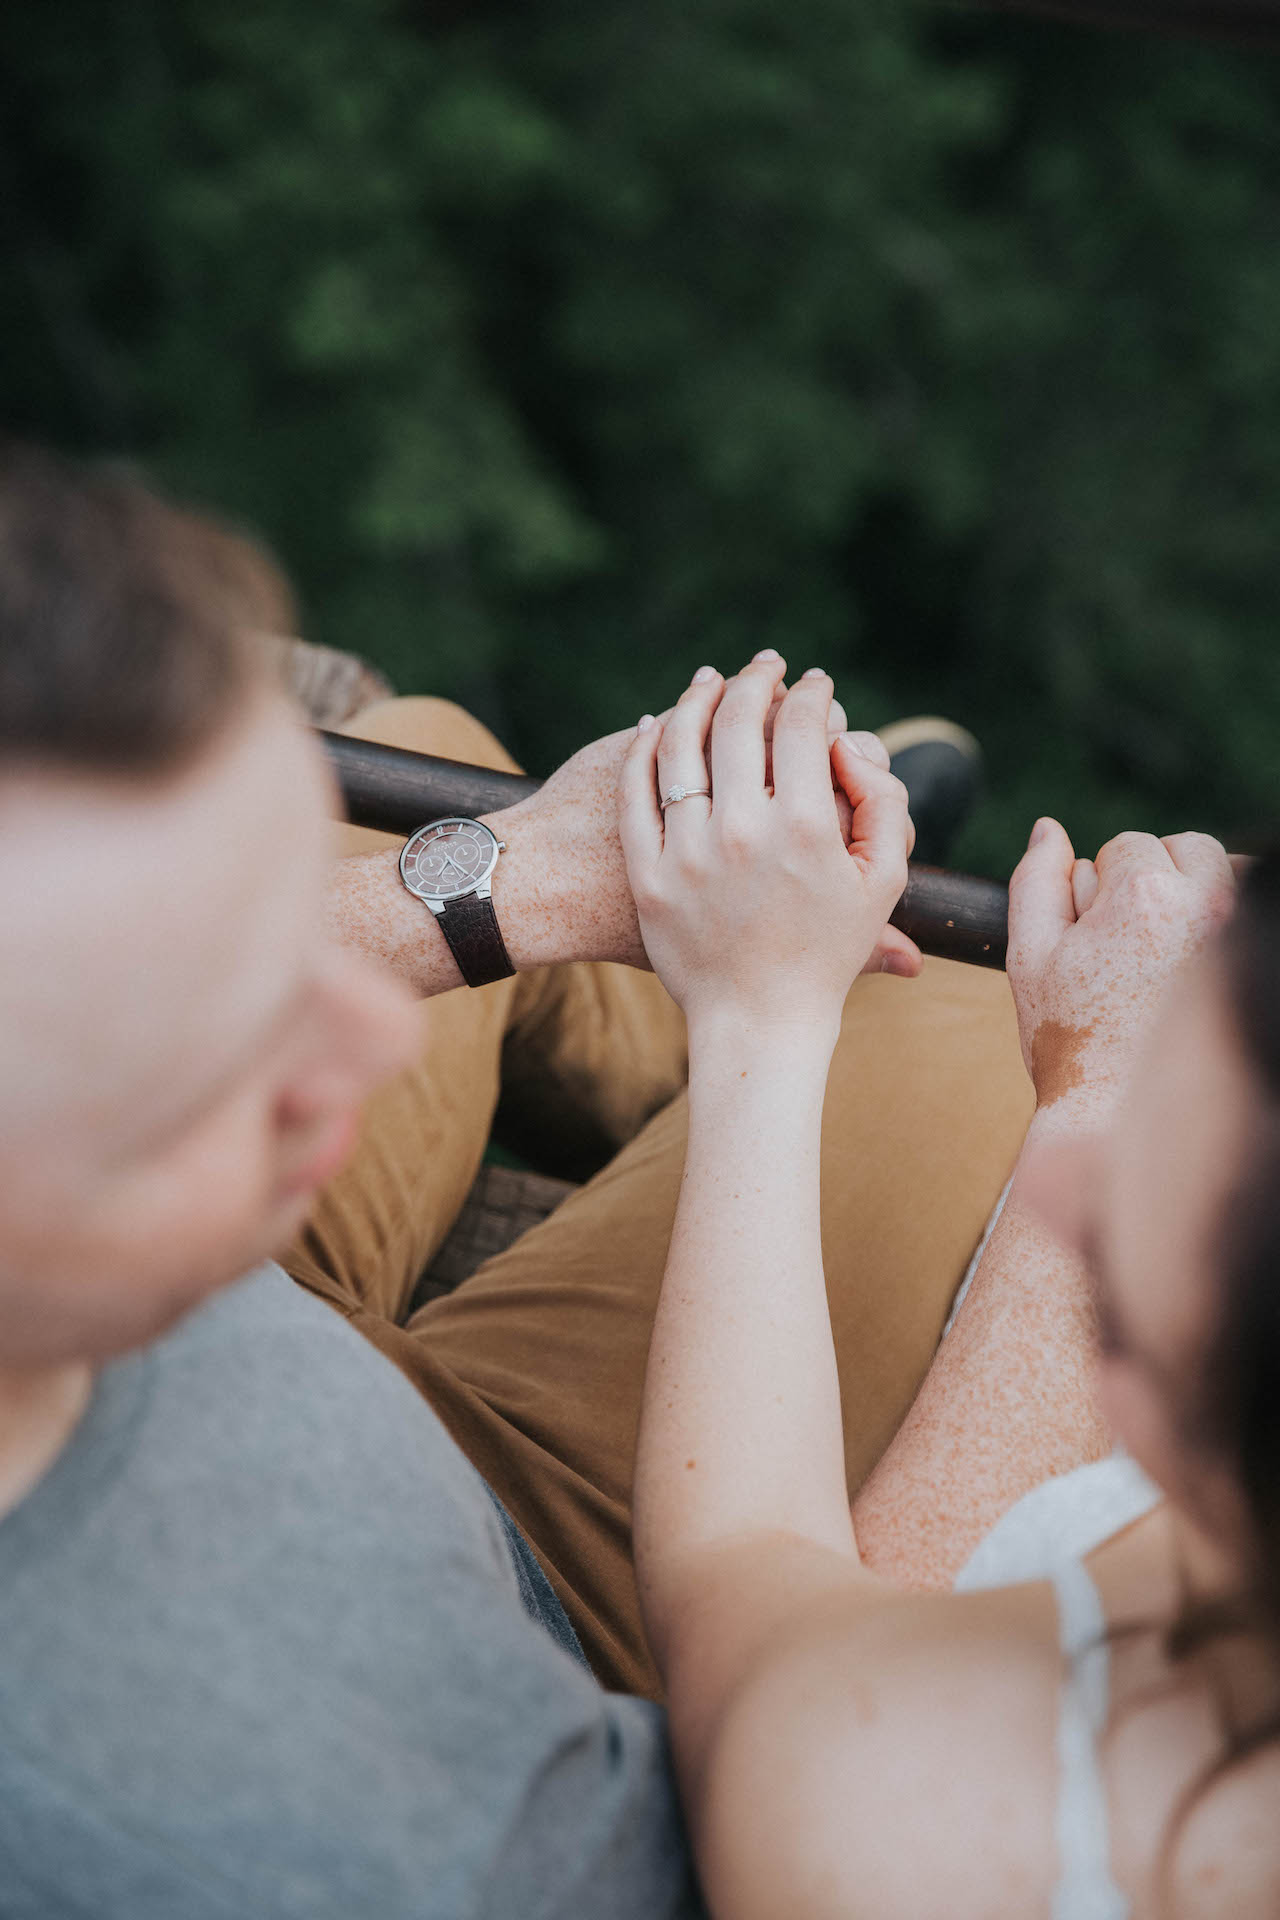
[683, 793]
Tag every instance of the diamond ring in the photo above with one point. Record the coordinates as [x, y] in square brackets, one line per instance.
[683, 793]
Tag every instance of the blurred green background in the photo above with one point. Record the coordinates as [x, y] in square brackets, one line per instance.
[557, 349]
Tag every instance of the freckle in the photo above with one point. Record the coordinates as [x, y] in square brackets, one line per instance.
[743, 1074]
[690, 1463]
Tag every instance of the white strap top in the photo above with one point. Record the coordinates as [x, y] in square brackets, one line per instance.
[1046, 1536]
[1085, 1889]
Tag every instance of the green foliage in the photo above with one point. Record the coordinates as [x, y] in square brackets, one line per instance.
[558, 349]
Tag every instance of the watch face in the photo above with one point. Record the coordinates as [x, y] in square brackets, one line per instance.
[448, 858]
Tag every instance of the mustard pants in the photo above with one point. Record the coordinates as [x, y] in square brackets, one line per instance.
[535, 1364]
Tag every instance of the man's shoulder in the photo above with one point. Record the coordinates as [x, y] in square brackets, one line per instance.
[275, 1369]
[264, 1636]
[264, 1301]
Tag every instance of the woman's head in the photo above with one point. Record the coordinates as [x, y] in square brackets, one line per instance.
[1237, 1416]
[1177, 1211]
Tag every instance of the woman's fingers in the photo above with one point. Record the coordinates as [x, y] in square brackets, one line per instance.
[737, 737]
[837, 723]
[855, 749]
[868, 746]
[682, 752]
[801, 753]
[895, 953]
[639, 821]
[878, 842]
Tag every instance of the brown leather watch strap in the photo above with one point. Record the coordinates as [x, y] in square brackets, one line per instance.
[470, 925]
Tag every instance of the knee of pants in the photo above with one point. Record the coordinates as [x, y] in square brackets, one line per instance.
[424, 723]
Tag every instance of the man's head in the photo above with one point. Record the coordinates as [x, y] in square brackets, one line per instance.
[182, 1053]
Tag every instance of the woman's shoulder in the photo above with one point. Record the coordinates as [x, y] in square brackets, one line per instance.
[905, 1759]
[1221, 1860]
[901, 1762]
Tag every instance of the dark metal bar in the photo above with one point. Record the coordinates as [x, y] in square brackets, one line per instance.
[955, 915]
[950, 914]
[395, 790]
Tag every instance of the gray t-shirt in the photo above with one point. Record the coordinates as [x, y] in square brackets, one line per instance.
[263, 1653]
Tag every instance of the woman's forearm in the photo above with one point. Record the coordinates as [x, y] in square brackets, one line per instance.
[741, 1430]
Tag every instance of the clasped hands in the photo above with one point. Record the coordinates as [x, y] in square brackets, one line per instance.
[775, 759]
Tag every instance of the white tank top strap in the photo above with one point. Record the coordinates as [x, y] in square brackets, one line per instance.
[1085, 1889]
[1045, 1536]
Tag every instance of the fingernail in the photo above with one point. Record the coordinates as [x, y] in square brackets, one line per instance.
[814, 673]
[851, 741]
[702, 676]
[1038, 832]
[644, 723]
[768, 653]
[899, 964]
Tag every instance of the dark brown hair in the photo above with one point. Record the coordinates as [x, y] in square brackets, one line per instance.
[124, 620]
[1240, 1403]
[1234, 1411]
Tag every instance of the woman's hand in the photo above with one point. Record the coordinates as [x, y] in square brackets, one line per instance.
[750, 903]
[561, 892]
[1092, 944]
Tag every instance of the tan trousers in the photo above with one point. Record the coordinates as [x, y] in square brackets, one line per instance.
[535, 1364]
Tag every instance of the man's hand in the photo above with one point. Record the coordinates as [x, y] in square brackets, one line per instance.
[561, 890]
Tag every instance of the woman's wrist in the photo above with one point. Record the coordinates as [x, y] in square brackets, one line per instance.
[724, 1033]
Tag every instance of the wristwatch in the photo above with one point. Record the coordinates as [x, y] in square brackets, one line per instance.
[448, 865]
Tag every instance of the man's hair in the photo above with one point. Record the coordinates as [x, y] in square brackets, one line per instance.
[125, 621]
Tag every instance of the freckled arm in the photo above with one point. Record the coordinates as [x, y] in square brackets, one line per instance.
[1010, 1400]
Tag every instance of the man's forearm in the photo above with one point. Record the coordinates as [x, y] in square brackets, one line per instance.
[552, 903]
